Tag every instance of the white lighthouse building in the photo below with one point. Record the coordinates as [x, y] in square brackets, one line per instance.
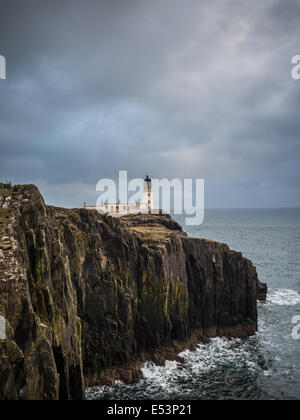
[122, 209]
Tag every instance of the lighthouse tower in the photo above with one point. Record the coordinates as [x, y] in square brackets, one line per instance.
[122, 209]
[147, 194]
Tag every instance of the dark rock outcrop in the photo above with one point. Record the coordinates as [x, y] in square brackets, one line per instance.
[86, 297]
[262, 291]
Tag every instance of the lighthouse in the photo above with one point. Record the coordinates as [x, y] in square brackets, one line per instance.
[147, 193]
[143, 205]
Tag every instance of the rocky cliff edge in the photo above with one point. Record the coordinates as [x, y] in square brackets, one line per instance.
[87, 298]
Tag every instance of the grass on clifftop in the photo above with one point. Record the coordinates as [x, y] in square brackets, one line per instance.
[151, 233]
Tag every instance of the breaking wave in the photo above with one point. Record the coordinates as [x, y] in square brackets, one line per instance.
[284, 297]
[210, 372]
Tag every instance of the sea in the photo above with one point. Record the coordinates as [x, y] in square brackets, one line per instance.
[263, 367]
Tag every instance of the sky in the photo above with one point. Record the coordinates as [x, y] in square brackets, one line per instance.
[169, 88]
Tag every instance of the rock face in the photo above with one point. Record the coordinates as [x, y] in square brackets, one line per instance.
[87, 297]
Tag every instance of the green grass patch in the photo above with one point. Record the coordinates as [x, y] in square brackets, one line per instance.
[151, 233]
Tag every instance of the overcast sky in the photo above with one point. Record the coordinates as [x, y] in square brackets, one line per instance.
[171, 88]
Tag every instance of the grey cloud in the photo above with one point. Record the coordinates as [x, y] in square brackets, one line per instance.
[172, 88]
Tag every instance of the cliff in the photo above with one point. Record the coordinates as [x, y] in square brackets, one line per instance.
[86, 297]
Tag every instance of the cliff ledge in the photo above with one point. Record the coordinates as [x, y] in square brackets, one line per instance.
[87, 298]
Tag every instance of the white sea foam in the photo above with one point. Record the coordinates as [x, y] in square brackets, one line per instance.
[204, 373]
[161, 377]
[221, 354]
[284, 297]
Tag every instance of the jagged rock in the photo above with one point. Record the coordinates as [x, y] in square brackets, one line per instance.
[262, 290]
[88, 297]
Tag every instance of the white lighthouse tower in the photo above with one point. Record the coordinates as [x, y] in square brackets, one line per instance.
[122, 209]
[148, 194]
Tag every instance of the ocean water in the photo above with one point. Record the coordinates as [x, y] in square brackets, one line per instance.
[266, 366]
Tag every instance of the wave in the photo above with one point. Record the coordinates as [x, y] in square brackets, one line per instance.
[203, 375]
[284, 297]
